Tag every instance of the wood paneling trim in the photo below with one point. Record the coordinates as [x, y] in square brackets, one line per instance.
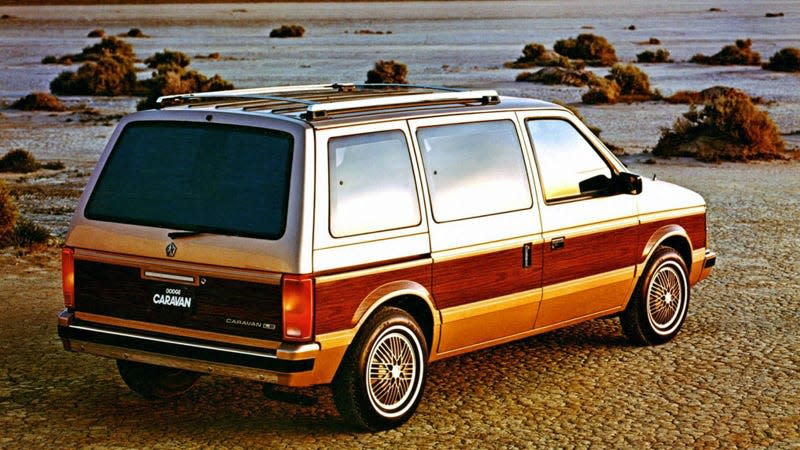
[337, 301]
[586, 255]
[475, 278]
[694, 225]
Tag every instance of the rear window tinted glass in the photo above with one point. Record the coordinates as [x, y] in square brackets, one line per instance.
[205, 177]
[474, 169]
[371, 184]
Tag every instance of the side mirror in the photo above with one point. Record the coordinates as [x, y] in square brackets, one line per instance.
[628, 183]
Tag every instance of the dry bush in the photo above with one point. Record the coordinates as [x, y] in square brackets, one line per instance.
[690, 97]
[18, 161]
[174, 80]
[738, 54]
[109, 76]
[134, 33]
[774, 14]
[558, 75]
[607, 91]
[659, 56]
[631, 80]
[39, 101]
[625, 82]
[107, 46]
[785, 60]
[29, 235]
[167, 58]
[287, 31]
[8, 210]
[388, 72]
[97, 33]
[728, 127]
[536, 55]
[594, 50]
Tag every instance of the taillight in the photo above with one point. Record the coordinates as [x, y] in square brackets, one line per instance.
[68, 276]
[298, 307]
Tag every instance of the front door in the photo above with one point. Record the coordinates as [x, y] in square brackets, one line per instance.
[589, 232]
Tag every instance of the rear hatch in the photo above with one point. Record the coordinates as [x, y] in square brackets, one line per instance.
[186, 227]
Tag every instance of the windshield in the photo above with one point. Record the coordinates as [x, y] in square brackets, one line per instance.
[197, 176]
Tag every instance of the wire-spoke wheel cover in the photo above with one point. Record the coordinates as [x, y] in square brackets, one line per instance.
[394, 371]
[666, 298]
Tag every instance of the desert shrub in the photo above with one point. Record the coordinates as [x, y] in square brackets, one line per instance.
[39, 101]
[625, 82]
[8, 210]
[52, 165]
[775, 14]
[534, 54]
[109, 76]
[738, 54]
[97, 33]
[607, 91]
[287, 31]
[659, 56]
[594, 50]
[785, 60]
[18, 161]
[49, 59]
[173, 80]
[631, 80]
[134, 33]
[107, 46]
[559, 75]
[728, 127]
[29, 234]
[706, 95]
[168, 58]
[388, 72]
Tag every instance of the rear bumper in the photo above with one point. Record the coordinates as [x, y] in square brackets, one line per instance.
[285, 364]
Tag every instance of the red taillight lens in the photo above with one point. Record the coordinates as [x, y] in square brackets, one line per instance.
[68, 276]
[298, 307]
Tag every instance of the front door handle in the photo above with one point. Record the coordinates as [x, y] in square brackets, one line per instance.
[557, 243]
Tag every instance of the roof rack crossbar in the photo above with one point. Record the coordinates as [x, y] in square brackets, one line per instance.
[322, 110]
[298, 89]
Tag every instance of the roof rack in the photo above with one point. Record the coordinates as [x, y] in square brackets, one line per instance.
[320, 101]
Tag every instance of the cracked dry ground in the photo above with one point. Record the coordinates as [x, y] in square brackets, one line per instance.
[730, 379]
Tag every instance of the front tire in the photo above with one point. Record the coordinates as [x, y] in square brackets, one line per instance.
[382, 377]
[155, 382]
[657, 309]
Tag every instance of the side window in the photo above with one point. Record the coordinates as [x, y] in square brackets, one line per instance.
[371, 184]
[474, 169]
[568, 165]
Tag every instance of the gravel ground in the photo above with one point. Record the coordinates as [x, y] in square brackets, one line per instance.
[729, 380]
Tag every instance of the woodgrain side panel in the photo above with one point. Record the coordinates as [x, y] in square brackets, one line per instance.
[336, 302]
[591, 254]
[480, 277]
[695, 226]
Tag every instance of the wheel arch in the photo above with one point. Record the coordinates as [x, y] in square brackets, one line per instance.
[674, 236]
[409, 296]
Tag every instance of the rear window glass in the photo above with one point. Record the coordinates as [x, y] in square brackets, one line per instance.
[202, 177]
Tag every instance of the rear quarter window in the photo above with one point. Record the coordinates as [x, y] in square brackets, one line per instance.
[217, 178]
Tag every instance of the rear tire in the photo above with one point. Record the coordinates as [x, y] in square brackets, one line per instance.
[155, 382]
[657, 309]
[382, 376]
